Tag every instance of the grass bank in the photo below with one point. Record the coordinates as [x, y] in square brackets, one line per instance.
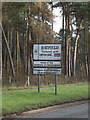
[28, 100]
[42, 86]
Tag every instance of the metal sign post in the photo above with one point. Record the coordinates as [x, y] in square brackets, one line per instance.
[39, 83]
[55, 84]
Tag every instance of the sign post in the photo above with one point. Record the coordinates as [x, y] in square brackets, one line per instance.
[47, 60]
[55, 84]
[39, 83]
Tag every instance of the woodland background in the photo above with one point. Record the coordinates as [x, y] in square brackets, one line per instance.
[24, 24]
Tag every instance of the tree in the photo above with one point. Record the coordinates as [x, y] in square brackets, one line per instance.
[0, 46]
[9, 52]
[24, 24]
[74, 16]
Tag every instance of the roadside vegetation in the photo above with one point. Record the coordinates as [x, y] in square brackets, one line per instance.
[29, 100]
[42, 86]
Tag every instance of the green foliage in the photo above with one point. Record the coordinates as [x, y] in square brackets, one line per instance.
[14, 14]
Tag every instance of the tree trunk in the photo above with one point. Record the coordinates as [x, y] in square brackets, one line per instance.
[63, 42]
[65, 45]
[69, 62]
[17, 50]
[86, 65]
[86, 47]
[28, 46]
[28, 54]
[9, 52]
[88, 58]
[0, 47]
[23, 48]
[7, 62]
[69, 47]
[52, 21]
[11, 40]
[67, 39]
[0, 61]
[75, 47]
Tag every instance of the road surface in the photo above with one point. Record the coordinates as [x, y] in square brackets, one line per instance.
[77, 111]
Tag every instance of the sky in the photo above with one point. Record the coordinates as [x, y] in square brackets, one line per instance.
[57, 19]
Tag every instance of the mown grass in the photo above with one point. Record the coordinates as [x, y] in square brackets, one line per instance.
[28, 100]
[42, 86]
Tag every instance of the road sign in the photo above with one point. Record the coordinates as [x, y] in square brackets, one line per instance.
[47, 59]
[47, 52]
[47, 63]
[47, 71]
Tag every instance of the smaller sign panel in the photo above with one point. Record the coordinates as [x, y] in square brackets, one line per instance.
[47, 71]
[47, 64]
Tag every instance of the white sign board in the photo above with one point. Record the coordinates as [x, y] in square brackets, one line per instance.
[47, 59]
[47, 52]
[47, 71]
[47, 63]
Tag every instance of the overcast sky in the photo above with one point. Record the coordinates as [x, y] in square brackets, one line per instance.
[57, 20]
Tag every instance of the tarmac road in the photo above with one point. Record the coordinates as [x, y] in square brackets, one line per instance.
[77, 111]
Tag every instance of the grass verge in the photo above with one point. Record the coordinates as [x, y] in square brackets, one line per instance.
[42, 86]
[28, 100]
